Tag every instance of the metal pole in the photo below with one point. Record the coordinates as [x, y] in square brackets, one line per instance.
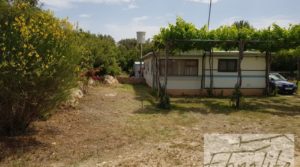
[209, 14]
[166, 67]
[210, 54]
[141, 73]
[141, 40]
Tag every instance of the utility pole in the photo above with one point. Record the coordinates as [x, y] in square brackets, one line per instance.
[141, 40]
[211, 73]
[209, 13]
[141, 61]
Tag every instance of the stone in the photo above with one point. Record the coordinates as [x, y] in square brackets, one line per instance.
[110, 80]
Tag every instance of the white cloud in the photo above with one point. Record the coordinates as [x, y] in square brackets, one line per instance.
[85, 16]
[140, 19]
[129, 30]
[262, 22]
[132, 6]
[267, 21]
[56, 3]
[70, 3]
[203, 1]
[151, 25]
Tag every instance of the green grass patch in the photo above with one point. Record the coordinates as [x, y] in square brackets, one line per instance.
[185, 111]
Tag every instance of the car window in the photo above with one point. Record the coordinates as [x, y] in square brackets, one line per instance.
[275, 78]
[280, 77]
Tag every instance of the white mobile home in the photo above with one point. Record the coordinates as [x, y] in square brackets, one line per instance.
[187, 77]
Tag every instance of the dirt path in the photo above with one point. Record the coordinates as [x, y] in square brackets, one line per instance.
[110, 128]
[97, 126]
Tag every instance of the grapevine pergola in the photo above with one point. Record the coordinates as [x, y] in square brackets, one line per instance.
[210, 44]
[185, 36]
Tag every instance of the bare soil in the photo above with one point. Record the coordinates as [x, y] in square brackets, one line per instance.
[120, 126]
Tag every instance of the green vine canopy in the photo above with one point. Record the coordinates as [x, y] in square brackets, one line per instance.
[186, 36]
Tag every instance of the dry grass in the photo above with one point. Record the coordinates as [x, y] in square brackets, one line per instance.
[128, 130]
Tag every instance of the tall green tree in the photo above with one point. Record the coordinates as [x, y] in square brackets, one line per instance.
[98, 51]
[242, 24]
[129, 52]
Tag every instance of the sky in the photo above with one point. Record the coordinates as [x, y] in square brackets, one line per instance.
[123, 18]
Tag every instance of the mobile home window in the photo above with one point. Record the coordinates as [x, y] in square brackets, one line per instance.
[179, 67]
[227, 65]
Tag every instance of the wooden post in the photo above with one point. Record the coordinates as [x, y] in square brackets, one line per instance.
[211, 66]
[203, 70]
[211, 62]
[155, 70]
[166, 66]
[268, 57]
[239, 69]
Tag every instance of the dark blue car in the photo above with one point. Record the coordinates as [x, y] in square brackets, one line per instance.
[282, 85]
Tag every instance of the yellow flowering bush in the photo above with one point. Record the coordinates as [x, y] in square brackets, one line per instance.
[38, 62]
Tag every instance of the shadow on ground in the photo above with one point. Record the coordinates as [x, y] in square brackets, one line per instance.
[17, 146]
[280, 105]
[13, 147]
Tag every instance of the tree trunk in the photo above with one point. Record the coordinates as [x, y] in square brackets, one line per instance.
[268, 59]
[211, 74]
[166, 67]
[239, 67]
[240, 79]
[203, 71]
[157, 72]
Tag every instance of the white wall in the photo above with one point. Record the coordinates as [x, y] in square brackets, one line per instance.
[148, 72]
[253, 73]
[183, 82]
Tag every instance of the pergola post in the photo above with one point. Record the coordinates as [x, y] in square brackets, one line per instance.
[241, 44]
[203, 70]
[211, 72]
[163, 94]
[166, 66]
[268, 60]
[239, 67]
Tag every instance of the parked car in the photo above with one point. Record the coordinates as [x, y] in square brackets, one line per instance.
[281, 83]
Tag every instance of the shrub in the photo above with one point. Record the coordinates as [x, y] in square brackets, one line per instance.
[37, 63]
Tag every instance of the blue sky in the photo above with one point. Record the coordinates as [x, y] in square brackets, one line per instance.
[122, 18]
